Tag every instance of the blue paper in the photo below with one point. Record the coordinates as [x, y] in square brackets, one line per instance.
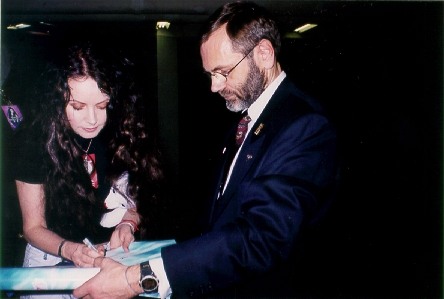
[139, 251]
[70, 277]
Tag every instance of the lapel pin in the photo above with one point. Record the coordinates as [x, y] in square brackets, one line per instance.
[249, 157]
[258, 130]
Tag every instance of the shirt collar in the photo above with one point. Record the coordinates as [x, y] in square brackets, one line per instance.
[255, 110]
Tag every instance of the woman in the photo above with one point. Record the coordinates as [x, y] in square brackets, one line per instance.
[88, 133]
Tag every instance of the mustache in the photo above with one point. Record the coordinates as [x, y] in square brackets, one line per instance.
[226, 93]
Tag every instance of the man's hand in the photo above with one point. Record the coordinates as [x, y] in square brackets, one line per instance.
[110, 282]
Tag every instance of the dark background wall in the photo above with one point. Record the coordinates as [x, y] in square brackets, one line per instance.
[377, 67]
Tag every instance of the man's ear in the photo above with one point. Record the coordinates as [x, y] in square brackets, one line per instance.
[265, 54]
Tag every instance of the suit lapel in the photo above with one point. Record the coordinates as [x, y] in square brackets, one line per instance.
[253, 147]
[219, 175]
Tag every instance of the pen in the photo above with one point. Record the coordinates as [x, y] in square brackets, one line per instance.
[89, 244]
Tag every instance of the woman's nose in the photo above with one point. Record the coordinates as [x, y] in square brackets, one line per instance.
[91, 118]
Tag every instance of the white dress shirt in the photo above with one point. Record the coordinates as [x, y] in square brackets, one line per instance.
[255, 110]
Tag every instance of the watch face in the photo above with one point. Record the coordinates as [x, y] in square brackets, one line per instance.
[148, 280]
[149, 284]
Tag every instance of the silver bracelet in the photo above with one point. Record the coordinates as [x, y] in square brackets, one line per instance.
[126, 277]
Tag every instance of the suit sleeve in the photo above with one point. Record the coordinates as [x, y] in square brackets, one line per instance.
[276, 202]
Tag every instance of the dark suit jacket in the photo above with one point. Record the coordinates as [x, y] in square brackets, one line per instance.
[281, 185]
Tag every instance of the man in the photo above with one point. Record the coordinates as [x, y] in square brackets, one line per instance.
[280, 183]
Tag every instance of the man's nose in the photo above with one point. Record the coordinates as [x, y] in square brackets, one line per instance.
[217, 85]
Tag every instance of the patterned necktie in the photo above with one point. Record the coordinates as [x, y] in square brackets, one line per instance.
[242, 128]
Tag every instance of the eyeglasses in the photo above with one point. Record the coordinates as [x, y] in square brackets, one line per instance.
[223, 77]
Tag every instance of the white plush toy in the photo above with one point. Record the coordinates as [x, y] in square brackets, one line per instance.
[118, 202]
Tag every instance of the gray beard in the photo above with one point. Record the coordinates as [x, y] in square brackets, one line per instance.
[250, 90]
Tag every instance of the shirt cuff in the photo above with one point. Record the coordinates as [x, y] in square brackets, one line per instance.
[164, 289]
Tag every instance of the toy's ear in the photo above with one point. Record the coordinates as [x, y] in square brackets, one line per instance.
[122, 182]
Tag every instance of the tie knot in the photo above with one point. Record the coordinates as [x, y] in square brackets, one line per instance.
[245, 119]
[242, 129]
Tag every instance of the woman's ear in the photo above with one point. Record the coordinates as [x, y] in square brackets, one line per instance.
[265, 54]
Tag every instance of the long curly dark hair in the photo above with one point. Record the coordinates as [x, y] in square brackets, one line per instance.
[72, 206]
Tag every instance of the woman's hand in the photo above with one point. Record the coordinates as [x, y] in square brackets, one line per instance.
[80, 254]
[123, 235]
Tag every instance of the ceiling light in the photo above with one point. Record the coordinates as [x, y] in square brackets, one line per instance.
[18, 26]
[22, 25]
[165, 25]
[305, 27]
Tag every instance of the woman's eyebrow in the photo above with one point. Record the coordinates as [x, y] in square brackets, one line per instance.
[107, 100]
[74, 100]
[77, 101]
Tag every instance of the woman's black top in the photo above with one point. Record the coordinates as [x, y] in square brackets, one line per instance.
[31, 168]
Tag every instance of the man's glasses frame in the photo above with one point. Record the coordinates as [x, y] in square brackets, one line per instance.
[223, 77]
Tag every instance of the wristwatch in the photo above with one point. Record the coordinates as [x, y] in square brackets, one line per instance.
[148, 280]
